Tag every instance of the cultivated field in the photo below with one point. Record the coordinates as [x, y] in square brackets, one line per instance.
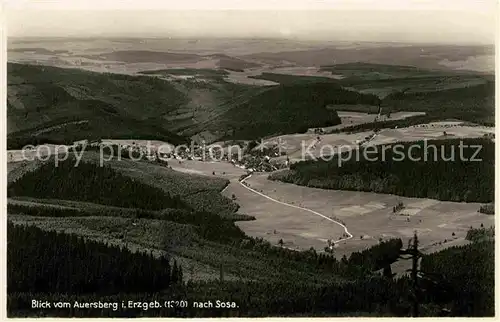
[221, 169]
[368, 216]
[299, 229]
[354, 118]
[292, 144]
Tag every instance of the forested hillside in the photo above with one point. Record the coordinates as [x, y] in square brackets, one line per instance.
[291, 108]
[294, 79]
[202, 193]
[57, 105]
[441, 94]
[49, 103]
[90, 182]
[358, 291]
[471, 103]
[61, 263]
[431, 173]
[468, 274]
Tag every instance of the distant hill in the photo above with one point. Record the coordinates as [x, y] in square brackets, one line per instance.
[204, 72]
[294, 79]
[56, 105]
[290, 109]
[472, 103]
[49, 103]
[234, 64]
[144, 56]
[383, 79]
[422, 56]
[356, 72]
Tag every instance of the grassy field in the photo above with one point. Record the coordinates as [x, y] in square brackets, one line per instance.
[199, 73]
[292, 144]
[297, 228]
[368, 216]
[365, 214]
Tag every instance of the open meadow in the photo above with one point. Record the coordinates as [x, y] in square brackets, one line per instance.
[295, 144]
[292, 226]
[368, 216]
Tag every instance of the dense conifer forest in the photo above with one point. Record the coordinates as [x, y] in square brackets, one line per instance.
[62, 263]
[472, 103]
[90, 182]
[430, 176]
[209, 226]
[468, 274]
[89, 271]
[292, 108]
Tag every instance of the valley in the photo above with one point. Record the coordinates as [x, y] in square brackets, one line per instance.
[282, 227]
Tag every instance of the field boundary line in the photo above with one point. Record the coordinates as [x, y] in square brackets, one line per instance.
[298, 207]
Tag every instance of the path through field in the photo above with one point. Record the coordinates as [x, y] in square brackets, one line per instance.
[300, 228]
[305, 217]
[349, 235]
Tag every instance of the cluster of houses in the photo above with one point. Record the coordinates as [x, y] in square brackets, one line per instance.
[260, 161]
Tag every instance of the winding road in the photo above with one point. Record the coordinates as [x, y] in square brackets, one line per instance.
[242, 182]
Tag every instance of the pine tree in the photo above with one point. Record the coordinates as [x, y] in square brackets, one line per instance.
[175, 273]
[221, 274]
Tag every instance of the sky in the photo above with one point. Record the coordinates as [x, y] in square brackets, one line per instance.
[448, 21]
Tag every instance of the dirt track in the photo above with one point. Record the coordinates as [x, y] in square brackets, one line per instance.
[367, 216]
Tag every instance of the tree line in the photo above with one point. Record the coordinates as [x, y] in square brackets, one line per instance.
[209, 226]
[471, 103]
[466, 289]
[428, 177]
[54, 262]
[90, 182]
[467, 273]
[291, 108]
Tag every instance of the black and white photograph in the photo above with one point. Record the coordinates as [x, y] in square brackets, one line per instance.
[249, 159]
